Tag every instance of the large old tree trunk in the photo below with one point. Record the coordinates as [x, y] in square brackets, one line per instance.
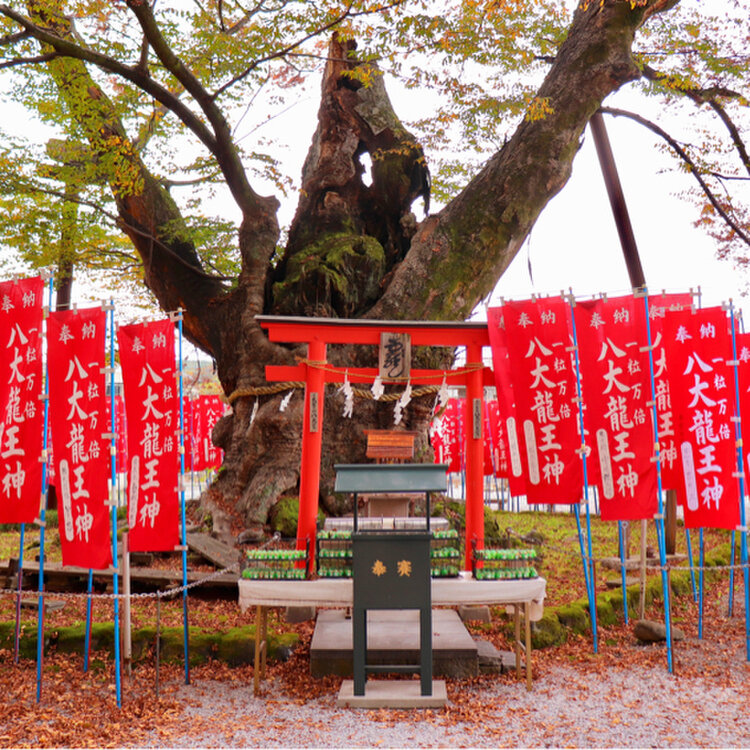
[355, 248]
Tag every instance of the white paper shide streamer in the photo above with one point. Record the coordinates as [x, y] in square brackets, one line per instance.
[443, 394]
[401, 404]
[378, 389]
[346, 389]
[440, 401]
[254, 412]
[285, 401]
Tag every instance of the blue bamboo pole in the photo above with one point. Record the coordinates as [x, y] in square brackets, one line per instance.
[623, 571]
[17, 638]
[42, 521]
[660, 495]
[113, 485]
[689, 545]
[588, 570]
[185, 626]
[87, 637]
[741, 476]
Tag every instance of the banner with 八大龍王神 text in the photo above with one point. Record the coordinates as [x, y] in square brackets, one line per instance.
[699, 348]
[79, 420]
[543, 374]
[152, 410]
[21, 407]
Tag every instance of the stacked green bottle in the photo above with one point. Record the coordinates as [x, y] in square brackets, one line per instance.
[275, 564]
[334, 553]
[445, 553]
[499, 564]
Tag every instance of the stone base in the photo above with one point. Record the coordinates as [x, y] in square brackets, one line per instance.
[392, 694]
[295, 614]
[492, 661]
[393, 638]
[479, 613]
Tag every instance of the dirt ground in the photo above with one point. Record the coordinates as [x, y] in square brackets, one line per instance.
[621, 696]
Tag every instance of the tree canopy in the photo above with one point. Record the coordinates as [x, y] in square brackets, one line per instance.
[171, 71]
[160, 149]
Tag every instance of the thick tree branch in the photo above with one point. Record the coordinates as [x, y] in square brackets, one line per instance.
[224, 149]
[457, 255]
[128, 228]
[692, 167]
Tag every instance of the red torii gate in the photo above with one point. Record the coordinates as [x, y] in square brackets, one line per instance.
[317, 333]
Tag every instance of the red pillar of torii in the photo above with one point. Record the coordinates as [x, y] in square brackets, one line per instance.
[317, 333]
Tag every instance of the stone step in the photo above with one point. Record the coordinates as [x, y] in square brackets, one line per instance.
[393, 638]
[490, 660]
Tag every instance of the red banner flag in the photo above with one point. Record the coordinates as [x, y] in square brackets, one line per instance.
[152, 410]
[447, 438]
[21, 408]
[505, 401]
[188, 424]
[544, 386]
[616, 391]
[495, 449]
[212, 409]
[698, 347]
[79, 418]
[659, 307]
[121, 441]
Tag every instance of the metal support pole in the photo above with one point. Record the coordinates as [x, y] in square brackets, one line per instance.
[183, 537]
[588, 570]
[660, 515]
[42, 518]
[127, 642]
[741, 474]
[622, 222]
[623, 570]
[87, 637]
[113, 509]
[17, 638]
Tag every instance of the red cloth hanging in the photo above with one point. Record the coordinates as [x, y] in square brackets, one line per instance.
[79, 418]
[616, 392]
[21, 408]
[544, 385]
[515, 457]
[446, 437]
[659, 307]
[698, 346]
[152, 407]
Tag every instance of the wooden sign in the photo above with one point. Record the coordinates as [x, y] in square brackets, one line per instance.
[314, 412]
[394, 359]
[476, 413]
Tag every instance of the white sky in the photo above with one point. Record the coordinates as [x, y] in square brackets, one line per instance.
[575, 241]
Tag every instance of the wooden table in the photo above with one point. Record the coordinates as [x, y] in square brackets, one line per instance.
[524, 596]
